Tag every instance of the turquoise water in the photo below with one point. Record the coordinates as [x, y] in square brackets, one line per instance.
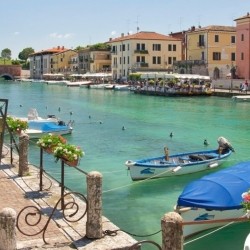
[99, 115]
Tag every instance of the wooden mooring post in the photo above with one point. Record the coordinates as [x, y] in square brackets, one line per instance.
[23, 154]
[172, 232]
[94, 214]
[7, 229]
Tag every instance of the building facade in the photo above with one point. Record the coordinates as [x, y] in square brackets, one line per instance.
[40, 62]
[143, 52]
[94, 60]
[63, 61]
[243, 46]
[215, 46]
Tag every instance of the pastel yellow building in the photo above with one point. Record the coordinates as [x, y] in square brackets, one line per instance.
[61, 62]
[215, 46]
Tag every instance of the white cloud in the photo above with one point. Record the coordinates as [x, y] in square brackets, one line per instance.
[113, 33]
[16, 33]
[61, 36]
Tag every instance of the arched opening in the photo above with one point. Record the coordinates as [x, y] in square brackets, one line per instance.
[6, 77]
[216, 73]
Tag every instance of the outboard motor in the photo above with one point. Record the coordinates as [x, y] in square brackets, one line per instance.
[224, 143]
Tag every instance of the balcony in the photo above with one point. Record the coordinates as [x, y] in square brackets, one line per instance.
[201, 44]
[141, 51]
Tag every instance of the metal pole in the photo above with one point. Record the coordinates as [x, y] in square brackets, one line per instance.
[62, 184]
[41, 169]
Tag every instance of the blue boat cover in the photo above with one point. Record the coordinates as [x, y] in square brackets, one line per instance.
[47, 126]
[218, 191]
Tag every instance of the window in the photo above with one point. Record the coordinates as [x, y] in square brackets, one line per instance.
[201, 40]
[123, 47]
[124, 60]
[170, 47]
[203, 55]
[137, 59]
[143, 46]
[232, 39]
[169, 60]
[156, 47]
[143, 59]
[216, 56]
[216, 38]
[138, 46]
[128, 59]
[242, 56]
[242, 37]
[156, 60]
[174, 47]
[232, 56]
[174, 59]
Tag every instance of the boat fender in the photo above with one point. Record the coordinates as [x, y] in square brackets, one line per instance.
[213, 165]
[177, 169]
[129, 163]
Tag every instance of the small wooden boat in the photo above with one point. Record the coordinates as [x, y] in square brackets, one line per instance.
[214, 199]
[179, 164]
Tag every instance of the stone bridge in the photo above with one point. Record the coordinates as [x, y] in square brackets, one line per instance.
[10, 72]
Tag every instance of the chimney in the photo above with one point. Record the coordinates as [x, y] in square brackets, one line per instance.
[122, 35]
[58, 47]
[110, 39]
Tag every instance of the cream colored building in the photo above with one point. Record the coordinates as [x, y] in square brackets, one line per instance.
[143, 52]
[215, 46]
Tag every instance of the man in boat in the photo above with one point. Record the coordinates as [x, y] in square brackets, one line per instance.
[166, 153]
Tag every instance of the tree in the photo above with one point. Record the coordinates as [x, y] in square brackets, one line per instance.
[6, 53]
[24, 54]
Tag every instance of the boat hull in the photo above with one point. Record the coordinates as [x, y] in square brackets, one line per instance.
[35, 133]
[203, 216]
[178, 164]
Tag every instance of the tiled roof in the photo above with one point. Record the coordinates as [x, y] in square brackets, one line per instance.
[50, 51]
[144, 35]
[243, 17]
[216, 28]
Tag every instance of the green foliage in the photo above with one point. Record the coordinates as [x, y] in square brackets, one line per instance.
[14, 124]
[4, 61]
[51, 140]
[15, 62]
[24, 54]
[6, 53]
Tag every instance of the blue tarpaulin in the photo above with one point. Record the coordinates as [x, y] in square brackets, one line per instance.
[218, 191]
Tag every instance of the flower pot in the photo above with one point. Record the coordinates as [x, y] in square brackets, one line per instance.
[73, 163]
[49, 150]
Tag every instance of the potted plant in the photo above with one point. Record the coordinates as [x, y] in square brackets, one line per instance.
[50, 141]
[246, 201]
[69, 153]
[16, 125]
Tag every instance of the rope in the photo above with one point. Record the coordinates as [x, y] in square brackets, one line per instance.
[137, 182]
[214, 231]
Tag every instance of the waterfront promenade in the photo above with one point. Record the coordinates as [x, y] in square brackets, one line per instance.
[20, 192]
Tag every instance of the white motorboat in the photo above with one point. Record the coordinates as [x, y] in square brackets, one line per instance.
[78, 83]
[38, 126]
[214, 199]
[241, 98]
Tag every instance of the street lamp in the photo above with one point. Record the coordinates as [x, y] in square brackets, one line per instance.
[232, 71]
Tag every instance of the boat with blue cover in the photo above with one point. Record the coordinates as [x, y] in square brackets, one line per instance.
[214, 198]
[181, 163]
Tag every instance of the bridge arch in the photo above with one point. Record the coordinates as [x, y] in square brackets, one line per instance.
[7, 76]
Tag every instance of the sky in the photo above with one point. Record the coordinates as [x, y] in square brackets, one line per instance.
[44, 24]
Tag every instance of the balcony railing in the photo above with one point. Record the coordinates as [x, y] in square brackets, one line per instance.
[141, 51]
